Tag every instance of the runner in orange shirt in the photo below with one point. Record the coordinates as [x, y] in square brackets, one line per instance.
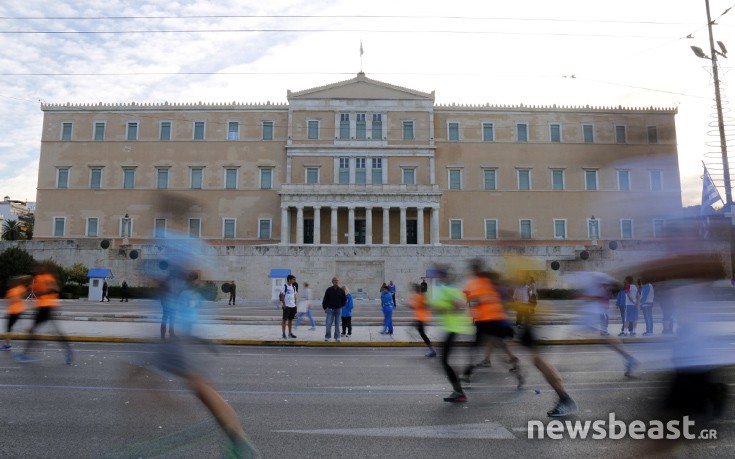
[16, 295]
[422, 315]
[46, 290]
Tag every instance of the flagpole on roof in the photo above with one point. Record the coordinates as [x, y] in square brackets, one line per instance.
[361, 53]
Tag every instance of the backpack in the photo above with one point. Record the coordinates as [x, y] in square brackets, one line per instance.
[282, 295]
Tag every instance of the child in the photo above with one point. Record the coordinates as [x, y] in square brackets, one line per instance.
[16, 296]
[386, 301]
[304, 306]
[347, 313]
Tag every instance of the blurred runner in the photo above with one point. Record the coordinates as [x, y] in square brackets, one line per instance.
[16, 296]
[46, 289]
[422, 315]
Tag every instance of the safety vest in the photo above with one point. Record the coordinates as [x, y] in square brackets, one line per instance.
[45, 286]
[16, 296]
[485, 303]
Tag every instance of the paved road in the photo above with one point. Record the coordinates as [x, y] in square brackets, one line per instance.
[312, 403]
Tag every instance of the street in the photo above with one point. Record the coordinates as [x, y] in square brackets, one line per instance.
[317, 402]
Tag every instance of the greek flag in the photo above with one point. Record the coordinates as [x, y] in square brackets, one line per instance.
[710, 195]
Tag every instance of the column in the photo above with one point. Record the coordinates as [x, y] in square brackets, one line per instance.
[351, 225]
[333, 234]
[284, 225]
[317, 225]
[420, 225]
[403, 225]
[386, 225]
[300, 225]
[368, 226]
[435, 225]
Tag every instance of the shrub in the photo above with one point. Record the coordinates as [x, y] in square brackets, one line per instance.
[14, 261]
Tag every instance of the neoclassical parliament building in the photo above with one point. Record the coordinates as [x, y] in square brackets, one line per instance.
[359, 163]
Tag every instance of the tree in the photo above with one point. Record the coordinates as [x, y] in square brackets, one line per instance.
[11, 230]
[77, 273]
[14, 261]
[27, 222]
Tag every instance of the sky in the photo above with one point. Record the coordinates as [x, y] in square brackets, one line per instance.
[630, 52]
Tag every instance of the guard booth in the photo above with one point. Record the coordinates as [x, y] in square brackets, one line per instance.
[97, 277]
[278, 278]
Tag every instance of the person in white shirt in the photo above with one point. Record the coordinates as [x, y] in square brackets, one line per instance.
[288, 304]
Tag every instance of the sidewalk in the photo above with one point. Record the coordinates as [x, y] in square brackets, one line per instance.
[270, 335]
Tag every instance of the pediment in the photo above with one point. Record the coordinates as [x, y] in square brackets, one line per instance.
[360, 87]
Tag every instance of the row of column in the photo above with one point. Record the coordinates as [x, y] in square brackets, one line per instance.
[433, 235]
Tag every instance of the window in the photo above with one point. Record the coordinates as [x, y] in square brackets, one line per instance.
[128, 178]
[228, 228]
[455, 229]
[652, 134]
[231, 178]
[626, 228]
[557, 179]
[233, 130]
[99, 130]
[659, 228]
[344, 126]
[377, 126]
[624, 180]
[266, 178]
[455, 179]
[524, 179]
[92, 227]
[593, 229]
[66, 129]
[62, 177]
[555, 132]
[126, 226]
[195, 227]
[59, 226]
[588, 133]
[491, 229]
[312, 175]
[620, 134]
[490, 179]
[197, 178]
[162, 178]
[344, 171]
[526, 229]
[95, 178]
[522, 132]
[590, 180]
[488, 132]
[377, 171]
[360, 171]
[159, 228]
[312, 131]
[132, 130]
[264, 228]
[198, 130]
[657, 180]
[267, 130]
[560, 229]
[408, 130]
[361, 127]
[453, 132]
[408, 176]
[165, 130]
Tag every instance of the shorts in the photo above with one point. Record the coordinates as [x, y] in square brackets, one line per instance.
[12, 319]
[289, 313]
[528, 337]
[42, 315]
[496, 328]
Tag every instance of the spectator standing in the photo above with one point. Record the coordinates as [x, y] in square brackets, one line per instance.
[647, 306]
[105, 288]
[521, 298]
[288, 304]
[392, 291]
[304, 306]
[424, 285]
[124, 290]
[233, 293]
[386, 303]
[347, 313]
[631, 307]
[332, 303]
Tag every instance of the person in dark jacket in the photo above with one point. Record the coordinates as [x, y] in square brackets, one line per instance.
[334, 299]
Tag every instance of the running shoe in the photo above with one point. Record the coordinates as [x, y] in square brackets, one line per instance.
[6, 347]
[291, 335]
[456, 397]
[563, 408]
[284, 336]
[485, 363]
[431, 353]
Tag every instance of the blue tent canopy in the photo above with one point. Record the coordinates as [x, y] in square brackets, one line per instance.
[99, 273]
[279, 273]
